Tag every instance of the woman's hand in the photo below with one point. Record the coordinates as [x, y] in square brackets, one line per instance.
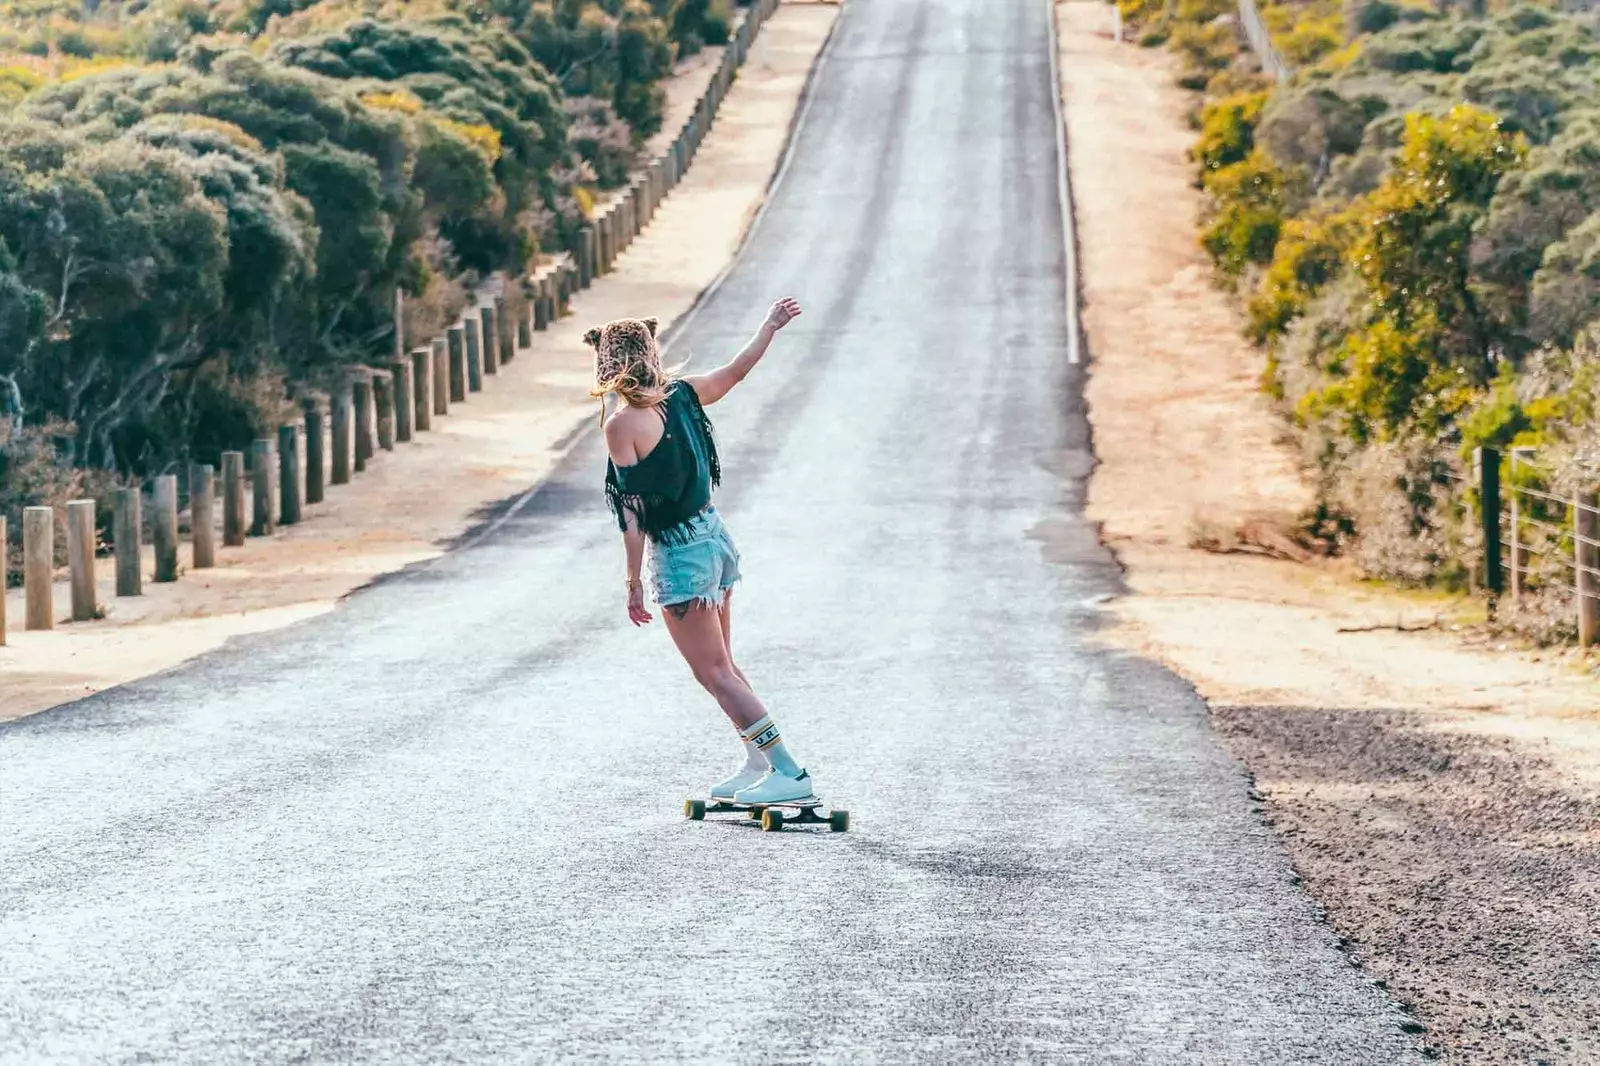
[783, 312]
[637, 614]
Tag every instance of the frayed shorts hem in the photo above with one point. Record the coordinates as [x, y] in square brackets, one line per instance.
[698, 571]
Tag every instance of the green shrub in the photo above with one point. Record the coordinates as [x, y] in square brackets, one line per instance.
[1308, 256]
[1245, 214]
[1310, 40]
[1227, 130]
[1206, 49]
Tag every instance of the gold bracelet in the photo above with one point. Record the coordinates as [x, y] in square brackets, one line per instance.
[634, 583]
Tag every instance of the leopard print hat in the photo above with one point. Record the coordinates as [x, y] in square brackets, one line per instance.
[626, 357]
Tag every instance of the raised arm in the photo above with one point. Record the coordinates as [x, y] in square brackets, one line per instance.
[714, 385]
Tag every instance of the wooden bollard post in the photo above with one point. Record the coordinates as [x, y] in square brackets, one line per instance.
[127, 530]
[80, 558]
[38, 566]
[399, 323]
[291, 478]
[164, 527]
[5, 552]
[316, 449]
[603, 267]
[525, 322]
[489, 335]
[405, 398]
[586, 255]
[263, 471]
[456, 338]
[541, 309]
[1586, 524]
[383, 407]
[422, 383]
[341, 414]
[233, 509]
[361, 400]
[439, 350]
[504, 328]
[474, 342]
[202, 517]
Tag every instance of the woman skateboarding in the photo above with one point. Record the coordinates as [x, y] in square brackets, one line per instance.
[662, 468]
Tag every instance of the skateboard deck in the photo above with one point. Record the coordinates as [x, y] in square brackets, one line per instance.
[771, 815]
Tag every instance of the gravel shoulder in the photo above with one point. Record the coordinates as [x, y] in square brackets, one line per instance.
[410, 505]
[1439, 794]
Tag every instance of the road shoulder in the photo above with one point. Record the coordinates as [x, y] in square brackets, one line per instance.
[1438, 796]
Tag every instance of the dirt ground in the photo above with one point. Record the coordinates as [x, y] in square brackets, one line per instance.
[1439, 794]
[410, 504]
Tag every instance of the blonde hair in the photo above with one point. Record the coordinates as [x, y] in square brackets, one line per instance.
[627, 363]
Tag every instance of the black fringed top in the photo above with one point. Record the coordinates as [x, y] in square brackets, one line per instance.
[673, 483]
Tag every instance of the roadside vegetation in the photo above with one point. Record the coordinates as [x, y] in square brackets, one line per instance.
[1412, 223]
[208, 206]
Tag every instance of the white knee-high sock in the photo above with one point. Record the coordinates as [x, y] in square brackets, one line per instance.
[764, 735]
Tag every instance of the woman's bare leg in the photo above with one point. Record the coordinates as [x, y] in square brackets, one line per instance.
[725, 615]
[702, 640]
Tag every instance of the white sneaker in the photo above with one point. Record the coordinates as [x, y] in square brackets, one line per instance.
[776, 787]
[747, 776]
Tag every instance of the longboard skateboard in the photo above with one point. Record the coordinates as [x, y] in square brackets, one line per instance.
[771, 815]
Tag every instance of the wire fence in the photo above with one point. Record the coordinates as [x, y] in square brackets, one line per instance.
[1255, 31]
[1539, 543]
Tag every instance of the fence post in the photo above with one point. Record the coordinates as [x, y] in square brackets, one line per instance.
[233, 521]
[126, 530]
[80, 558]
[164, 527]
[383, 407]
[1489, 505]
[341, 408]
[503, 328]
[361, 400]
[422, 383]
[1586, 522]
[290, 479]
[38, 562]
[405, 398]
[5, 554]
[263, 465]
[489, 331]
[525, 320]
[474, 347]
[202, 517]
[456, 338]
[590, 267]
[541, 310]
[441, 376]
[316, 449]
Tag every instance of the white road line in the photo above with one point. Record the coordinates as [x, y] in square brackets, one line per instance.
[1069, 240]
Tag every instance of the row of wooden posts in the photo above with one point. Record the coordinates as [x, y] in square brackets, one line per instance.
[375, 409]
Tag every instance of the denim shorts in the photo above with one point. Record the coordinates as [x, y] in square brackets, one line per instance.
[702, 568]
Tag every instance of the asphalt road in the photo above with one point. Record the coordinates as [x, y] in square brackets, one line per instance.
[443, 824]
